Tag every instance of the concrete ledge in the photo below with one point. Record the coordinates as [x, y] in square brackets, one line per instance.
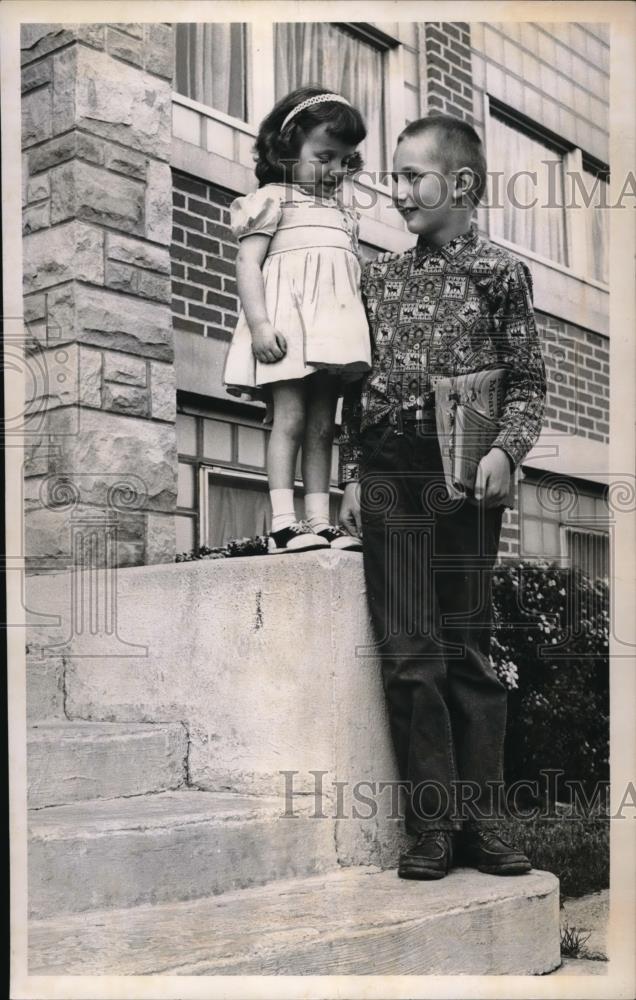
[73, 761]
[168, 846]
[268, 662]
[354, 922]
[45, 689]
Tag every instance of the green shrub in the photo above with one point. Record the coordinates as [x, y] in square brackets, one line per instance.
[576, 850]
[254, 546]
[573, 941]
[550, 647]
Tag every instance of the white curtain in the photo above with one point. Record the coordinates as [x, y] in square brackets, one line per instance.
[241, 509]
[598, 227]
[540, 228]
[323, 54]
[236, 512]
[210, 65]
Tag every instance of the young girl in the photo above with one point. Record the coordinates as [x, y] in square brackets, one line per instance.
[302, 330]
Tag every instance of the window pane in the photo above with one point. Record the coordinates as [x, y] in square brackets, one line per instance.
[185, 533]
[185, 487]
[530, 500]
[240, 508]
[531, 540]
[551, 540]
[251, 446]
[186, 434]
[584, 507]
[210, 66]
[539, 227]
[217, 440]
[598, 228]
[601, 509]
[323, 54]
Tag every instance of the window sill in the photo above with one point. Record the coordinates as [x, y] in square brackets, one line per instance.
[560, 292]
[219, 116]
[547, 262]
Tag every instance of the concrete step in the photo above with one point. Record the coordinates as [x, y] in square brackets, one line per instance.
[356, 921]
[168, 846]
[45, 687]
[73, 761]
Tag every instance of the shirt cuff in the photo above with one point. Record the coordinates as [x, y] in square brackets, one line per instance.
[511, 461]
[349, 472]
[513, 446]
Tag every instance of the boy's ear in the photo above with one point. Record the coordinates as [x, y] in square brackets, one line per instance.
[465, 181]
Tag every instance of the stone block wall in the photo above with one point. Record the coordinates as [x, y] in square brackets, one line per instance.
[97, 205]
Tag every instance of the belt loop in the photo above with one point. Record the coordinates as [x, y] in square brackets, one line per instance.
[399, 429]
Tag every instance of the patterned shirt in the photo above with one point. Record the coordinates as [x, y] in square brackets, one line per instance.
[460, 308]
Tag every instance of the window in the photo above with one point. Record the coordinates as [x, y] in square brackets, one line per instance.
[332, 56]
[561, 523]
[569, 224]
[222, 484]
[210, 66]
[528, 211]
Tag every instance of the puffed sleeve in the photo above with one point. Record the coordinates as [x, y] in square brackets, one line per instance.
[257, 212]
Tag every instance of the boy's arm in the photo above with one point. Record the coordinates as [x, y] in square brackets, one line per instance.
[519, 349]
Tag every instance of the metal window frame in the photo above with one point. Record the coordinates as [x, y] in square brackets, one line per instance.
[565, 556]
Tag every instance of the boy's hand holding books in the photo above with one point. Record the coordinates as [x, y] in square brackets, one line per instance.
[492, 482]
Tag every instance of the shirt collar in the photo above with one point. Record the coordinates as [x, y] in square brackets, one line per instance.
[451, 249]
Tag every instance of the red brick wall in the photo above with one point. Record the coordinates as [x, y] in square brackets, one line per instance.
[203, 251]
[577, 363]
[448, 67]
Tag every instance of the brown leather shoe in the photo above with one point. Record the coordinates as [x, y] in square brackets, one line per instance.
[485, 849]
[430, 857]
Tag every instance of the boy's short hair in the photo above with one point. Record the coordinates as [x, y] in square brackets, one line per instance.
[460, 147]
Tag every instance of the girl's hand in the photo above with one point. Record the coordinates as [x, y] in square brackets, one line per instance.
[268, 344]
[384, 258]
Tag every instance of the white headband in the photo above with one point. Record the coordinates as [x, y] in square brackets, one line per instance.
[318, 99]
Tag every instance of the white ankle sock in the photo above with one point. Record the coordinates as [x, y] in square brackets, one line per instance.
[283, 513]
[317, 510]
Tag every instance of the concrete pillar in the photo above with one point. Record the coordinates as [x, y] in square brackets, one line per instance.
[97, 219]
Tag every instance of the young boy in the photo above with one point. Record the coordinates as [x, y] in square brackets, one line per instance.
[428, 558]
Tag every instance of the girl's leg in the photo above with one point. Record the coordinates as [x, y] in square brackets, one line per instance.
[285, 439]
[323, 390]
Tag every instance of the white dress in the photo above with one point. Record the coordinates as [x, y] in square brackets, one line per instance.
[311, 276]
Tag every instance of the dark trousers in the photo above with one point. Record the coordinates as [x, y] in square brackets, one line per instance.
[428, 565]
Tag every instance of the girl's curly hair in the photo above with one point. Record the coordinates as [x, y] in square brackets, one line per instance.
[276, 151]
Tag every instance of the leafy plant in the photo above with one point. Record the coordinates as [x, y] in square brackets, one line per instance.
[575, 849]
[572, 941]
[550, 648]
[254, 546]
